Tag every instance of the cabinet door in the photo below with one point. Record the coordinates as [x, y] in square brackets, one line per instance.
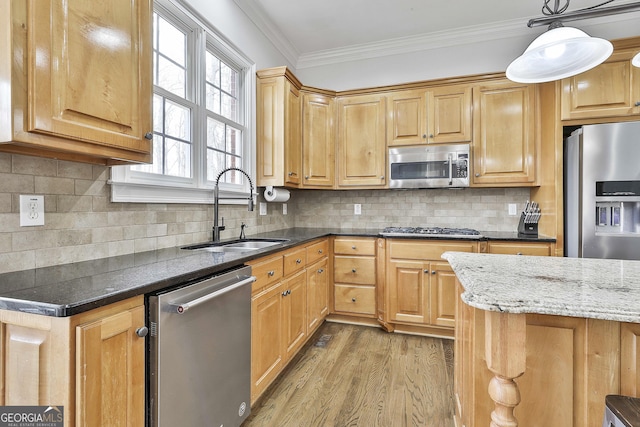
[89, 71]
[294, 311]
[318, 141]
[278, 133]
[110, 371]
[407, 118]
[317, 294]
[608, 90]
[449, 114]
[629, 361]
[361, 141]
[442, 283]
[504, 148]
[267, 340]
[408, 291]
[293, 136]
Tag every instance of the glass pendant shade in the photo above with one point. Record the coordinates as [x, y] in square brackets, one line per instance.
[558, 53]
[636, 60]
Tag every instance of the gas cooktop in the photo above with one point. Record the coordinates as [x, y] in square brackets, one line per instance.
[466, 233]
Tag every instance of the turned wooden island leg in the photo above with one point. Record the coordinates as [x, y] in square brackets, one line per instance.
[505, 338]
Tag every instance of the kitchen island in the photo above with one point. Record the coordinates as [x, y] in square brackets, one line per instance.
[542, 340]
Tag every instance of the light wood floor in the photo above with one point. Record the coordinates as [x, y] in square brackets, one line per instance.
[362, 377]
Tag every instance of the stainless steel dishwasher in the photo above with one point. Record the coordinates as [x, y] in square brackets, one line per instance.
[200, 353]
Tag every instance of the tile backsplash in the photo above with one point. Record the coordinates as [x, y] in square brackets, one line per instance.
[81, 222]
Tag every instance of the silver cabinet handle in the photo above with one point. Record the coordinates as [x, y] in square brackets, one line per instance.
[271, 273]
[381, 176]
[431, 135]
[353, 300]
[319, 251]
[477, 175]
[426, 271]
[298, 261]
[433, 272]
[519, 253]
[637, 103]
[142, 331]
[424, 136]
[148, 135]
[182, 308]
[320, 271]
[353, 270]
[353, 247]
[306, 177]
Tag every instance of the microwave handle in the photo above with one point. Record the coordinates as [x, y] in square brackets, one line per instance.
[450, 170]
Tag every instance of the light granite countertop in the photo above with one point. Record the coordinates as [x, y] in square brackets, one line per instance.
[577, 287]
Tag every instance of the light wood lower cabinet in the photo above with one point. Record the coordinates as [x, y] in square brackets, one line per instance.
[355, 273]
[289, 301]
[520, 248]
[92, 364]
[420, 286]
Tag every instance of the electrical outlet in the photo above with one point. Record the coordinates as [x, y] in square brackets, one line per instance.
[357, 209]
[513, 209]
[31, 210]
[284, 209]
[263, 208]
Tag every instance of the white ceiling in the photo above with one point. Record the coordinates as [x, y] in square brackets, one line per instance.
[308, 30]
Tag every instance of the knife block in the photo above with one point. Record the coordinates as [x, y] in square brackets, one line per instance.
[529, 230]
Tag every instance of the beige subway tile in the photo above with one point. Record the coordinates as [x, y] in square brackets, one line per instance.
[155, 230]
[5, 163]
[84, 187]
[17, 183]
[16, 261]
[52, 185]
[146, 244]
[75, 203]
[107, 234]
[64, 255]
[74, 237]
[122, 247]
[34, 166]
[135, 231]
[167, 242]
[31, 238]
[75, 170]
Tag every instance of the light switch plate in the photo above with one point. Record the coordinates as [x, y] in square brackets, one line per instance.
[31, 210]
[357, 209]
[513, 209]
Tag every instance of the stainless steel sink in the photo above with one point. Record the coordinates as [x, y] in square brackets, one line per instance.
[244, 245]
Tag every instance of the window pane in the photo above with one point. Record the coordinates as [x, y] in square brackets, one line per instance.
[178, 158]
[156, 166]
[215, 164]
[228, 78]
[215, 134]
[171, 77]
[177, 121]
[172, 42]
[213, 99]
[158, 116]
[213, 70]
[229, 107]
[234, 141]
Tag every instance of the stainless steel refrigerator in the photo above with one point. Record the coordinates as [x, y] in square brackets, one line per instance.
[602, 191]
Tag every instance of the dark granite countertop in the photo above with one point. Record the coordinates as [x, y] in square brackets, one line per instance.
[70, 289]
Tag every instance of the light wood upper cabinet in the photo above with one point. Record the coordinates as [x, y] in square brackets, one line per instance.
[433, 116]
[611, 89]
[504, 143]
[318, 141]
[279, 128]
[361, 141]
[81, 88]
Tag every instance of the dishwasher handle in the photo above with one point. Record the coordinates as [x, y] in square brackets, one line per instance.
[181, 308]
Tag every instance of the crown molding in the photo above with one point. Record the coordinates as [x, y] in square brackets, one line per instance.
[403, 45]
[257, 15]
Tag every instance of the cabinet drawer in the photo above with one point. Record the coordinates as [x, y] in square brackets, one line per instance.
[427, 250]
[266, 271]
[354, 246]
[515, 248]
[295, 261]
[359, 270]
[317, 251]
[355, 299]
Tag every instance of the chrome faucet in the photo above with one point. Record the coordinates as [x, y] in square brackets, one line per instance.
[217, 228]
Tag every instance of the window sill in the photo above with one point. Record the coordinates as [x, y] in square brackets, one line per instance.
[122, 192]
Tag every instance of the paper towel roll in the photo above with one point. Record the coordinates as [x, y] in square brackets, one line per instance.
[276, 194]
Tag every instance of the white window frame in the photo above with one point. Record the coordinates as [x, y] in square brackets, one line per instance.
[132, 186]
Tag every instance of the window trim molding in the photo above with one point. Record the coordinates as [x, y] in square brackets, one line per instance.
[129, 186]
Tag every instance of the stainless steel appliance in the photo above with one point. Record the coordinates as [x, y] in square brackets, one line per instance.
[200, 352]
[466, 233]
[432, 166]
[602, 191]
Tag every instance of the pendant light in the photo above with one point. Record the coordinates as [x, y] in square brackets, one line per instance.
[564, 51]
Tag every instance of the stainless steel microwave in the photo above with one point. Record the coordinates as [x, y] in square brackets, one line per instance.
[433, 166]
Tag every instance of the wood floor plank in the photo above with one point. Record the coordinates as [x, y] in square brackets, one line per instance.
[363, 377]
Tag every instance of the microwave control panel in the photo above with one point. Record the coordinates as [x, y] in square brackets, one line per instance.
[461, 166]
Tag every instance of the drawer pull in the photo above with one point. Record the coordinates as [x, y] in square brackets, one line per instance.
[519, 253]
[319, 251]
[353, 270]
[298, 261]
[353, 247]
[271, 273]
[287, 292]
[433, 272]
[320, 271]
[353, 300]
[426, 271]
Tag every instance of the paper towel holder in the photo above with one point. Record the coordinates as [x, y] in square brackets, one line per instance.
[272, 194]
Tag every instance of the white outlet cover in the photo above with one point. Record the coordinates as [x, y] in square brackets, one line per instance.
[513, 210]
[31, 210]
[357, 209]
[284, 209]
[263, 208]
